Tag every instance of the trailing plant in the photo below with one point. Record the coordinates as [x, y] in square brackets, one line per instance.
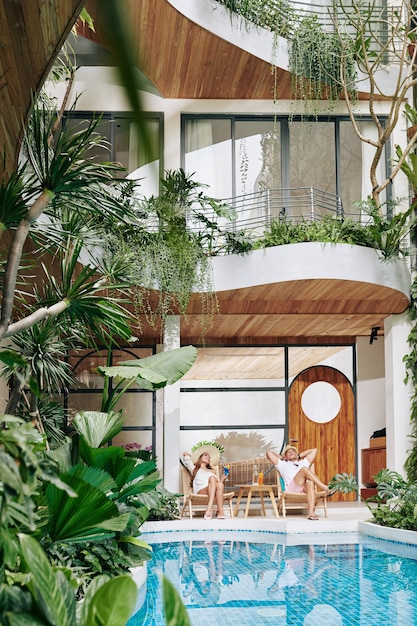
[168, 250]
[275, 15]
[395, 503]
[315, 58]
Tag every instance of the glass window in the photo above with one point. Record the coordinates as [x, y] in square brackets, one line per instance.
[208, 154]
[312, 168]
[233, 407]
[350, 167]
[258, 156]
[87, 393]
[239, 445]
[273, 167]
[124, 146]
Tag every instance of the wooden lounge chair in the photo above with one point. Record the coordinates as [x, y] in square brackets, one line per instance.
[198, 502]
[288, 500]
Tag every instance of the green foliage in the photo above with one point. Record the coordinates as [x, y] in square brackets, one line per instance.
[175, 611]
[410, 361]
[409, 167]
[315, 58]
[387, 231]
[153, 372]
[345, 483]
[163, 506]
[395, 504]
[169, 243]
[382, 233]
[100, 498]
[275, 15]
[51, 601]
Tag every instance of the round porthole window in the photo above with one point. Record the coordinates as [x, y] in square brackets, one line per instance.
[321, 402]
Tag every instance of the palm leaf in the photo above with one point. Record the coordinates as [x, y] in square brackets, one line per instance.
[94, 476]
[100, 457]
[129, 469]
[98, 427]
[76, 519]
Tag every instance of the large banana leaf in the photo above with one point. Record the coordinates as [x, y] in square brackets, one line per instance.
[156, 371]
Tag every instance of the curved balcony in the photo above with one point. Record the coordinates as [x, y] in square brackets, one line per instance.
[298, 293]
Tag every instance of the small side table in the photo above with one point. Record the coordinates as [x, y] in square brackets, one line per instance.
[250, 489]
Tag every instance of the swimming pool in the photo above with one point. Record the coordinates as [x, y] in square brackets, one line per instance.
[248, 579]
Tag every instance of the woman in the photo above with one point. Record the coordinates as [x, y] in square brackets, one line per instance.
[204, 481]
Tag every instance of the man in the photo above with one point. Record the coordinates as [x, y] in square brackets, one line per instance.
[294, 468]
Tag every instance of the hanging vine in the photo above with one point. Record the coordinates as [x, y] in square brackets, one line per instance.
[169, 247]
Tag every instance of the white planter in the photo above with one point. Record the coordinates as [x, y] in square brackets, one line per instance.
[390, 534]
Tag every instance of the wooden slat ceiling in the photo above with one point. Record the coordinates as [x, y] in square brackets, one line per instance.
[31, 34]
[290, 312]
[256, 363]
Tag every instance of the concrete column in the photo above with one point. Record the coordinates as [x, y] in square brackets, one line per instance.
[171, 412]
[397, 393]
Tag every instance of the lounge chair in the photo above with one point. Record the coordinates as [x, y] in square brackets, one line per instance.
[288, 500]
[198, 502]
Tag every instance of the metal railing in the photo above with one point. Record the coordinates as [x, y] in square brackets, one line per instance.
[255, 211]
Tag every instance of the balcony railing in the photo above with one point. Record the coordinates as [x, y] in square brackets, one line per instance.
[255, 211]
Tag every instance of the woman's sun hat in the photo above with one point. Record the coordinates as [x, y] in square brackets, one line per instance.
[211, 450]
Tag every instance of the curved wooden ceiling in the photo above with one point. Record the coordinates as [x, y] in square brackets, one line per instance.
[184, 60]
[31, 34]
[321, 310]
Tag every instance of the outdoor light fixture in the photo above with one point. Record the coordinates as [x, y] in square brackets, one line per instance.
[374, 334]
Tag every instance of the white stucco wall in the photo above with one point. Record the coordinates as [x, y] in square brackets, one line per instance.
[370, 386]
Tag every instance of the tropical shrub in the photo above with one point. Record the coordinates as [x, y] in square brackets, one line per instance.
[395, 503]
[386, 233]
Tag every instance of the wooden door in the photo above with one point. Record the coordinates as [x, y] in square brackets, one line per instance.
[335, 438]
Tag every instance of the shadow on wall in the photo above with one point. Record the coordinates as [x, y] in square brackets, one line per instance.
[240, 446]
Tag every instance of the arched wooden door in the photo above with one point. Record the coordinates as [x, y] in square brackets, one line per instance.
[321, 414]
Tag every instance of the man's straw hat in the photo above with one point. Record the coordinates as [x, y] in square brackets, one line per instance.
[289, 448]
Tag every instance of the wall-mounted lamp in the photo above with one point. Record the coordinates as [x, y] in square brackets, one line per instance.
[374, 334]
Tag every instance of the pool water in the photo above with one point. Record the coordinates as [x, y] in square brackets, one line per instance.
[242, 582]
